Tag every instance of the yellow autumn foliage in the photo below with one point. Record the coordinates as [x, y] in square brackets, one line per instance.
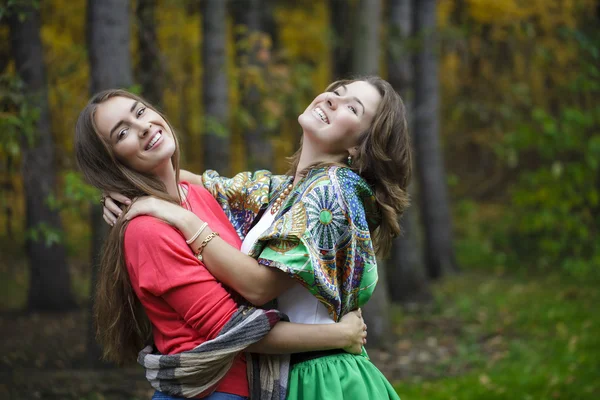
[497, 57]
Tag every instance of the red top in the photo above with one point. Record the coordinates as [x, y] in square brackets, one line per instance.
[185, 303]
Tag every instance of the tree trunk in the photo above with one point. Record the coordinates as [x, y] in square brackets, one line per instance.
[366, 61]
[110, 67]
[400, 68]
[408, 281]
[216, 108]
[49, 282]
[407, 278]
[367, 38]
[342, 14]
[249, 13]
[108, 44]
[435, 209]
[150, 73]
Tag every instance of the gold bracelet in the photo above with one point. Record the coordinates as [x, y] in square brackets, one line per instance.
[207, 239]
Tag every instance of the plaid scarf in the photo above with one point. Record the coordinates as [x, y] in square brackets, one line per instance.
[189, 373]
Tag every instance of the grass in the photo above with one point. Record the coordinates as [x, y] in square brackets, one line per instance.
[522, 338]
[505, 335]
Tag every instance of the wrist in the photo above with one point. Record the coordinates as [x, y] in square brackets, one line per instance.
[188, 223]
[206, 235]
[340, 335]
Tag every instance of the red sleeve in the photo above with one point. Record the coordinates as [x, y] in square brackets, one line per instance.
[164, 266]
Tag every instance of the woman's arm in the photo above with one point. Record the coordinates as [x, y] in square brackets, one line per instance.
[193, 293]
[190, 177]
[256, 283]
[113, 201]
[349, 334]
[233, 195]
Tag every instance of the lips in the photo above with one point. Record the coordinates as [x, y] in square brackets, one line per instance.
[319, 113]
[153, 140]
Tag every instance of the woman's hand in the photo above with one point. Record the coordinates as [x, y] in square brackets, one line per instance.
[161, 209]
[356, 331]
[112, 204]
[186, 221]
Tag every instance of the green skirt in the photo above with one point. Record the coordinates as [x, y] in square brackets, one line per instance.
[338, 377]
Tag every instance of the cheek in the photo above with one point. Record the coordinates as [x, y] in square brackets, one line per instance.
[350, 125]
[125, 153]
[352, 131]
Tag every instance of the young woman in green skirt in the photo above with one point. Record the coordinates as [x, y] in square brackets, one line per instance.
[311, 236]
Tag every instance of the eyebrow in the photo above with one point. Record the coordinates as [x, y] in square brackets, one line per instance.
[355, 99]
[121, 121]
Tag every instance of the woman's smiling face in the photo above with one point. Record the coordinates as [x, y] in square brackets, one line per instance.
[139, 137]
[334, 120]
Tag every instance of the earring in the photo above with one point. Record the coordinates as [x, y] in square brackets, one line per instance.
[349, 160]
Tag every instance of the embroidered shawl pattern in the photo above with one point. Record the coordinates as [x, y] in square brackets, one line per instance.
[320, 236]
[244, 196]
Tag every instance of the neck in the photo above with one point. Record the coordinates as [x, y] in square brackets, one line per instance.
[310, 154]
[167, 175]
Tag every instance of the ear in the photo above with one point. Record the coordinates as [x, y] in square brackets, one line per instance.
[353, 151]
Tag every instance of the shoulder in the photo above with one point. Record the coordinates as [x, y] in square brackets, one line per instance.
[349, 181]
[357, 196]
[197, 190]
[338, 176]
[150, 231]
[262, 174]
[343, 181]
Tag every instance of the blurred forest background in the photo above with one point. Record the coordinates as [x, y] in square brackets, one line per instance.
[492, 292]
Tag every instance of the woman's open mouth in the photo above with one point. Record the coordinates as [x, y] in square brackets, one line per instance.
[319, 113]
[155, 139]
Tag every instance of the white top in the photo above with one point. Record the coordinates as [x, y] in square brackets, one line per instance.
[297, 302]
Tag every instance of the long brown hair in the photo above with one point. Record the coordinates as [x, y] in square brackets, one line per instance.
[122, 327]
[384, 159]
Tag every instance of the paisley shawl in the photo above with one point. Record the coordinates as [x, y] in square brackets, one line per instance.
[320, 235]
[244, 196]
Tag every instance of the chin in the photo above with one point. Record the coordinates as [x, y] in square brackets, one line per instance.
[309, 124]
[304, 121]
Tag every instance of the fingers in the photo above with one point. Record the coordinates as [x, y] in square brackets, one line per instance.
[118, 197]
[364, 336]
[112, 207]
[132, 213]
[108, 220]
[111, 210]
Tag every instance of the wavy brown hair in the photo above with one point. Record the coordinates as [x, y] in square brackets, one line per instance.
[122, 327]
[384, 159]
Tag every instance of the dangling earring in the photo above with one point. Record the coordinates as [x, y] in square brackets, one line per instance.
[349, 160]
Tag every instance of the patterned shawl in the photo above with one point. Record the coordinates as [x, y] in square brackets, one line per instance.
[189, 373]
[320, 236]
[244, 196]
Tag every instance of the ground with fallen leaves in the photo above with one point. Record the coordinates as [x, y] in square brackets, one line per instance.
[482, 337]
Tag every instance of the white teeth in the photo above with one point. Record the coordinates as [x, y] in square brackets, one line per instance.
[321, 114]
[153, 141]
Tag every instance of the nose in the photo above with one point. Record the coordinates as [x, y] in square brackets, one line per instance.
[331, 102]
[145, 130]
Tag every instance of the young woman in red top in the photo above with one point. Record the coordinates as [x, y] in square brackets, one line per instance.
[151, 283]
